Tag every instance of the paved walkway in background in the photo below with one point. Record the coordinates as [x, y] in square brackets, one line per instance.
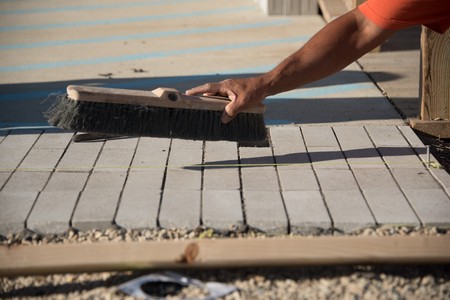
[340, 156]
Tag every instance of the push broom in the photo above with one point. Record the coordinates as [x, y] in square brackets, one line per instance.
[163, 112]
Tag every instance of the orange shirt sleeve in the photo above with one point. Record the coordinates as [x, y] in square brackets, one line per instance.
[398, 14]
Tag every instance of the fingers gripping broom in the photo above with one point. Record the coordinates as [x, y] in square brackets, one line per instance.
[162, 112]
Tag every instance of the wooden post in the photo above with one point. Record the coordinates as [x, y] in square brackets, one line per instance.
[435, 84]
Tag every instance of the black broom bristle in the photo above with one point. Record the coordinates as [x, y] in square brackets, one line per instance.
[131, 120]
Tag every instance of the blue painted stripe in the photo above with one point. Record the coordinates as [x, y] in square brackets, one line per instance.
[92, 7]
[151, 55]
[6, 126]
[319, 91]
[128, 20]
[146, 35]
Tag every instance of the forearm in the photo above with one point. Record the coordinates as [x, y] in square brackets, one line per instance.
[334, 47]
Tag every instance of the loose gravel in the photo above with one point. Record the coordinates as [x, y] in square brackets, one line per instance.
[319, 282]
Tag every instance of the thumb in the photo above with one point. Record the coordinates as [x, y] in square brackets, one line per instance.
[229, 113]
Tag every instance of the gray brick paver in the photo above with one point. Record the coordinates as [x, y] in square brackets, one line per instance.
[180, 209]
[307, 212]
[415, 179]
[443, 178]
[224, 176]
[52, 211]
[401, 157]
[222, 209]
[327, 158]
[67, 181]
[348, 210]
[257, 171]
[297, 179]
[114, 160]
[221, 179]
[106, 181]
[53, 139]
[14, 148]
[27, 181]
[319, 136]
[138, 208]
[287, 139]
[358, 148]
[121, 143]
[259, 179]
[390, 207]
[352, 137]
[336, 180]
[95, 209]
[41, 159]
[374, 179]
[80, 157]
[15, 207]
[431, 205]
[264, 210]
[4, 177]
[387, 136]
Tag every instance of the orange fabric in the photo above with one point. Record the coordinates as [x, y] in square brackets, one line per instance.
[398, 14]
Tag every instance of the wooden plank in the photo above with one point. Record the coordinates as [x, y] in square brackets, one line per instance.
[435, 78]
[71, 258]
[434, 85]
[440, 129]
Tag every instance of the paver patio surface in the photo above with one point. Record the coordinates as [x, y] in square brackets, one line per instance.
[339, 157]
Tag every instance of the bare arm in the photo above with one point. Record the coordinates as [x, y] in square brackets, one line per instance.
[338, 44]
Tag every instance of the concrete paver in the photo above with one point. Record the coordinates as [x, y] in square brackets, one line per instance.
[348, 210]
[307, 212]
[80, 157]
[340, 157]
[297, 180]
[4, 176]
[414, 179]
[15, 147]
[67, 181]
[15, 208]
[432, 206]
[27, 181]
[41, 159]
[114, 160]
[180, 209]
[222, 209]
[264, 210]
[53, 139]
[138, 208]
[56, 220]
[335, 180]
[389, 206]
[95, 209]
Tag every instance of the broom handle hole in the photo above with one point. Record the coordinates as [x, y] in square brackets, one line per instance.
[172, 97]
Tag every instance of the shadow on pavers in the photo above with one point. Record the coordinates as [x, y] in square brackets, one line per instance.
[302, 158]
[24, 104]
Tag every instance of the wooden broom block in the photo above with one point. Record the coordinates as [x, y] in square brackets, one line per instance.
[160, 97]
[96, 257]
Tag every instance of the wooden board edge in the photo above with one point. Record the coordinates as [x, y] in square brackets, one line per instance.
[439, 129]
[227, 252]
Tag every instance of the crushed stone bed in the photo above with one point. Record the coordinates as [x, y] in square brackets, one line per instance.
[311, 282]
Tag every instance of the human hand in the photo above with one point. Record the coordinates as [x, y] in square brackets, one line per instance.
[243, 93]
